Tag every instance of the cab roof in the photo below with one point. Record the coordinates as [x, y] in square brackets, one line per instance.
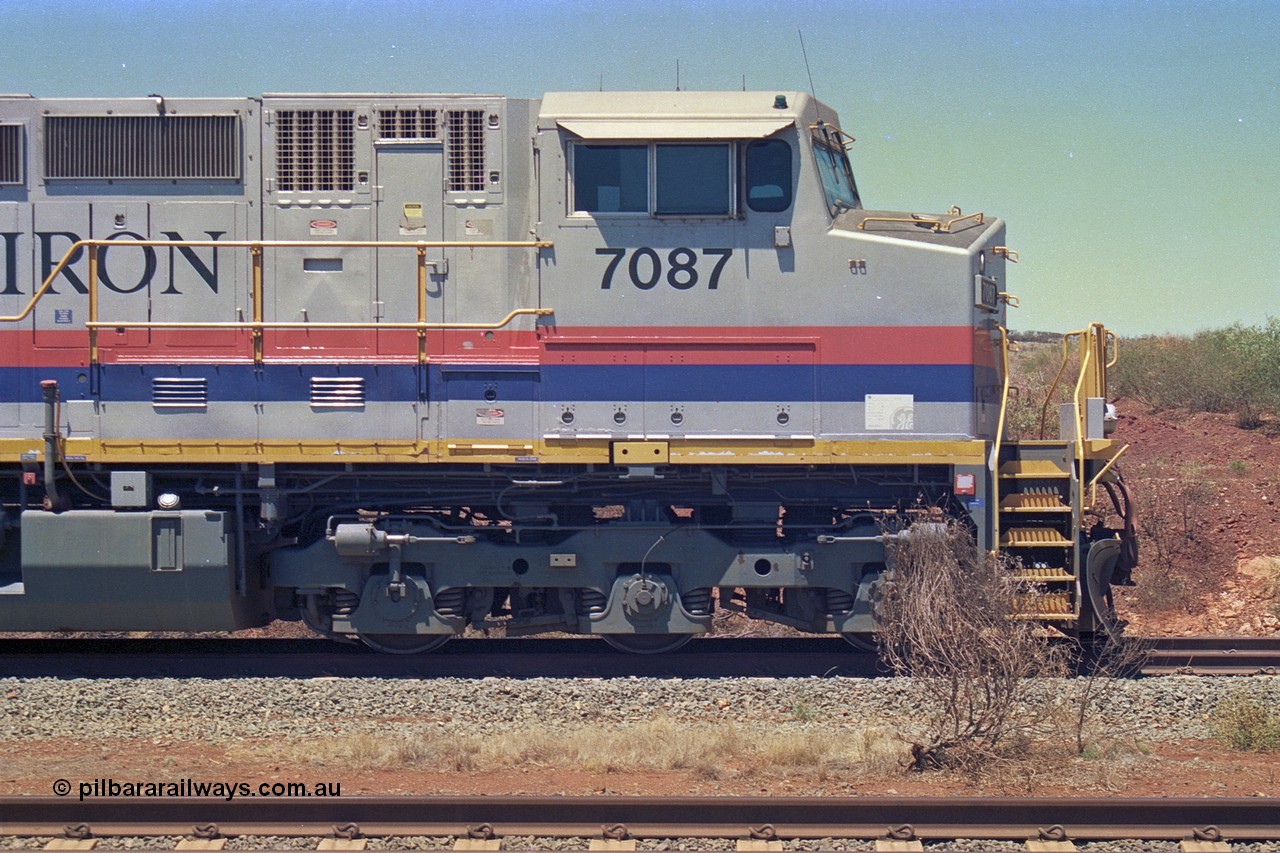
[672, 115]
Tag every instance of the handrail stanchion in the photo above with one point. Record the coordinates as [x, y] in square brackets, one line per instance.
[995, 450]
[256, 251]
[422, 304]
[92, 249]
[1086, 357]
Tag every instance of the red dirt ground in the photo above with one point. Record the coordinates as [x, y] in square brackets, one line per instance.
[1207, 496]
[1168, 770]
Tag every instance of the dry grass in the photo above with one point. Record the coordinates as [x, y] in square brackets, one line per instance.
[1032, 369]
[1245, 724]
[706, 750]
[1111, 765]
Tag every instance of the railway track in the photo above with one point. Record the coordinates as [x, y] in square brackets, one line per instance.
[551, 658]
[1211, 655]
[464, 658]
[641, 818]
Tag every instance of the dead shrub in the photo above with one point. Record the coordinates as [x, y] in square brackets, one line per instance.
[1105, 669]
[1174, 546]
[945, 622]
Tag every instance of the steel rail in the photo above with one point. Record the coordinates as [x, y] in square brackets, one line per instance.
[711, 657]
[1239, 819]
[461, 658]
[1209, 655]
[1212, 642]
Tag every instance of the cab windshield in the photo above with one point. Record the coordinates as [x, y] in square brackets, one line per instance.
[834, 168]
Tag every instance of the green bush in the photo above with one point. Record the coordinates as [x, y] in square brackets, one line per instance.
[1236, 369]
[1245, 724]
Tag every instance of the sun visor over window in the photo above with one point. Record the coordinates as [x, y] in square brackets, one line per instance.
[675, 128]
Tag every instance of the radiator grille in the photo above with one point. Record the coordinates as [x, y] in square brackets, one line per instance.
[179, 393]
[337, 392]
[315, 150]
[408, 124]
[10, 154]
[155, 147]
[466, 150]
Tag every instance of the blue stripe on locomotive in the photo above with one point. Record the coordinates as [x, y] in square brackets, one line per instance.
[832, 383]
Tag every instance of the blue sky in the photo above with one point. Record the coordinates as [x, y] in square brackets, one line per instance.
[1131, 146]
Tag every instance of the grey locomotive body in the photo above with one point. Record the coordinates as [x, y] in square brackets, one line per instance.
[399, 364]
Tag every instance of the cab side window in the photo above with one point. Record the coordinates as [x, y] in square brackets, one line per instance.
[693, 180]
[768, 175]
[836, 174]
[611, 178]
[655, 179]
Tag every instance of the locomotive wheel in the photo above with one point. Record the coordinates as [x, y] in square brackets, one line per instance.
[862, 641]
[404, 644]
[646, 644]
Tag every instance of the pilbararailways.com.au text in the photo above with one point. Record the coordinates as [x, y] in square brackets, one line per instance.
[195, 788]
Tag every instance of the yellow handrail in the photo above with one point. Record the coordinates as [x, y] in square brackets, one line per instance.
[995, 450]
[934, 225]
[1086, 356]
[371, 324]
[256, 252]
[316, 244]
[1053, 386]
[1094, 342]
[259, 324]
[48, 283]
[1093, 484]
[93, 301]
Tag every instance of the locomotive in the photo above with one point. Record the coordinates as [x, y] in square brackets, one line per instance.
[597, 363]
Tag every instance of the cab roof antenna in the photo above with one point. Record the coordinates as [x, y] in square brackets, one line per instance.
[813, 91]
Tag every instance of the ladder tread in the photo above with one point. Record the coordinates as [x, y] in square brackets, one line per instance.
[1041, 574]
[1029, 468]
[1033, 537]
[1033, 502]
[1043, 606]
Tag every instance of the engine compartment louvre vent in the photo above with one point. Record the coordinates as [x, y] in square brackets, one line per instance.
[315, 150]
[156, 147]
[412, 124]
[10, 154]
[337, 392]
[179, 392]
[466, 151]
